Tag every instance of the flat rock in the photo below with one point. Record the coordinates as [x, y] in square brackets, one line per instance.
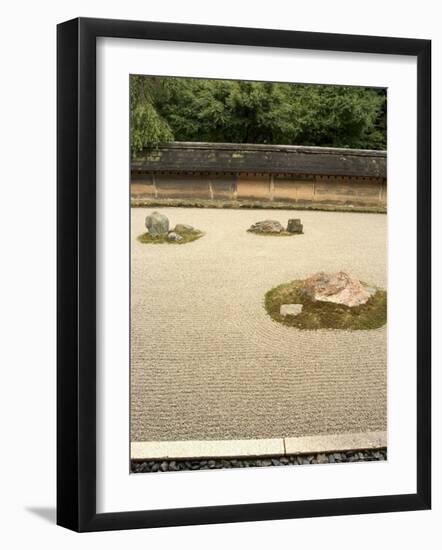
[183, 228]
[157, 224]
[294, 225]
[266, 226]
[338, 288]
[290, 309]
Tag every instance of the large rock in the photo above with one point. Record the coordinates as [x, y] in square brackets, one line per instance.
[157, 224]
[266, 226]
[339, 288]
[294, 225]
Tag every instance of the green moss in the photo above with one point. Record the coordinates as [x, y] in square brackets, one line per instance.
[155, 156]
[282, 234]
[245, 204]
[187, 237]
[325, 315]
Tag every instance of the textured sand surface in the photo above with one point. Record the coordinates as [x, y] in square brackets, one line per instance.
[207, 362]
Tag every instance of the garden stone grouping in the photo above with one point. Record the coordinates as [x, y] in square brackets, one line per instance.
[274, 227]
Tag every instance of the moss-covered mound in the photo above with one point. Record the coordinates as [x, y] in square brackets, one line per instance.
[325, 315]
[187, 236]
[274, 234]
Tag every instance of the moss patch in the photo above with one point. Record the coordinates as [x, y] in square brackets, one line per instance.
[187, 237]
[281, 234]
[325, 315]
[247, 204]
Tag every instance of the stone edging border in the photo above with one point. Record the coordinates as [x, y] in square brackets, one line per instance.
[237, 448]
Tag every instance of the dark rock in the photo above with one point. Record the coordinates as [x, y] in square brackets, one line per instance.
[294, 225]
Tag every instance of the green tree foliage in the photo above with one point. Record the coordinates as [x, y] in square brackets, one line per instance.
[185, 109]
[147, 127]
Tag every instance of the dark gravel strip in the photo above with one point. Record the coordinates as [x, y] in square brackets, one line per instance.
[138, 466]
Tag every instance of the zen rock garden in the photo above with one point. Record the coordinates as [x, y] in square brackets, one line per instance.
[322, 301]
[233, 310]
[328, 300]
[274, 228]
[158, 231]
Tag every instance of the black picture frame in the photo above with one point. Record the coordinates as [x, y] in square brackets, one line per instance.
[76, 273]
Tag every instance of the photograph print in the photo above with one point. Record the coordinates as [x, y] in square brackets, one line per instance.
[258, 274]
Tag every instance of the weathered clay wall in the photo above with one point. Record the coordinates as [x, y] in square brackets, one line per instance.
[309, 189]
[261, 173]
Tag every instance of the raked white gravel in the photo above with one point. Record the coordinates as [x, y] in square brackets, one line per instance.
[207, 362]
